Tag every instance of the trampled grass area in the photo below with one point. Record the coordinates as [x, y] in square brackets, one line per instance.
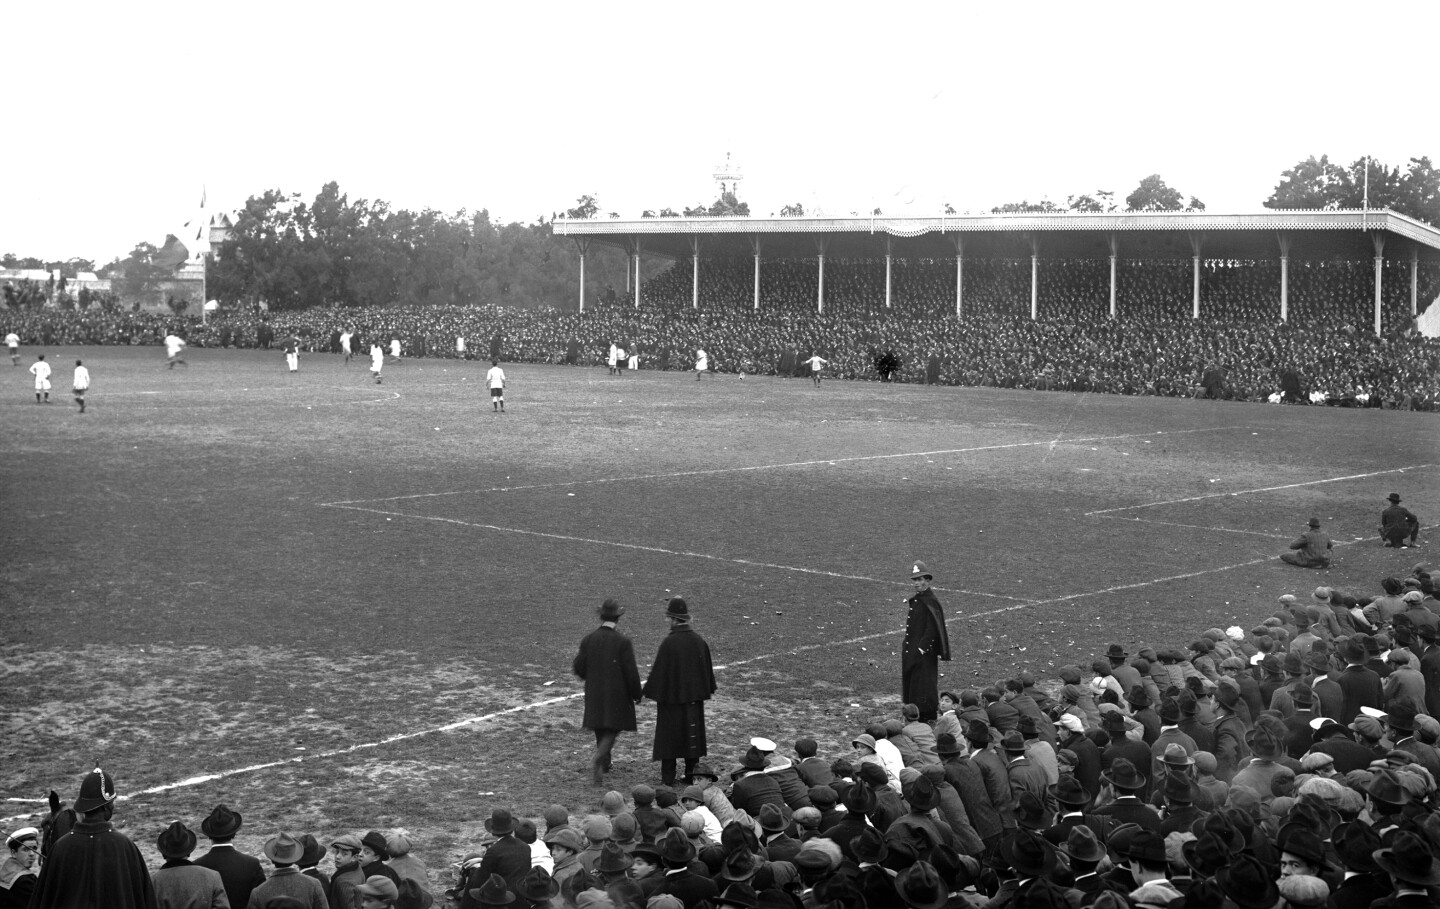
[227, 566]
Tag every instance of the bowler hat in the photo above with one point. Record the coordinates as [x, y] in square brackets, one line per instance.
[918, 570]
[1248, 883]
[1301, 842]
[677, 608]
[739, 893]
[500, 822]
[1314, 522]
[1124, 775]
[376, 841]
[1082, 845]
[1394, 498]
[611, 611]
[1116, 652]
[1402, 717]
[613, 859]
[221, 823]
[945, 743]
[1149, 847]
[1028, 854]
[96, 791]
[1169, 711]
[920, 887]
[1112, 721]
[1352, 650]
[1410, 860]
[1302, 695]
[176, 841]
[284, 849]
[537, 885]
[492, 893]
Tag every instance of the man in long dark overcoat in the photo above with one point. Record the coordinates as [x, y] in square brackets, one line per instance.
[926, 643]
[606, 662]
[681, 680]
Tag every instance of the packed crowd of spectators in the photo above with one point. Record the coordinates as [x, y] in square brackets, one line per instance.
[1290, 766]
[1152, 347]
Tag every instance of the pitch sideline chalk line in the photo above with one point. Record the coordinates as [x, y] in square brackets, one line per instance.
[755, 467]
[547, 702]
[655, 549]
[1242, 492]
[1253, 533]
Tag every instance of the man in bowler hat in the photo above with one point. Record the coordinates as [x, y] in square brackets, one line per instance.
[681, 680]
[606, 663]
[926, 643]
[1398, 527]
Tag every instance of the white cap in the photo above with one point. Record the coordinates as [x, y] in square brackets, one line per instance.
[764, 745]
[1373, 713]
[1235, 633]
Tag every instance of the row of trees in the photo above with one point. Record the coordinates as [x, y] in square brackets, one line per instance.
[292, 253]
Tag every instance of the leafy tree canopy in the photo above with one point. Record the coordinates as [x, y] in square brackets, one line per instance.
[1317, 183]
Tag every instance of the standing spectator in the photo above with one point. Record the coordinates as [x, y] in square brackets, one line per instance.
[681, 680]
[284, 852]
[606, 663]
[1311, 549]
[41, 371]
[80, 384]
[17, 872]
[926, 643]
[495, 381]
[1397, 523]
[240, 872]
[94, 866]
[179, 883]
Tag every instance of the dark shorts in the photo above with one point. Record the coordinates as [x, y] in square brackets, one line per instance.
[497, 392]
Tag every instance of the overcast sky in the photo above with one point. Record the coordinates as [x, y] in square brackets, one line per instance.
[119, 114]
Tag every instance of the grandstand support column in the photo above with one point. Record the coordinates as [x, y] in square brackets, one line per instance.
[959, 276]
[637, 272]
[821, 243]
[1414, 281]
[888, 255]
[1196, 242]
[1114, 255]
[583, 244]
[1378, 238]
[695, 272]
[1284, 278]
[755, 245]
[1034, 278]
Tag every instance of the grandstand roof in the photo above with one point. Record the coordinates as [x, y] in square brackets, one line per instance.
[1141, 235]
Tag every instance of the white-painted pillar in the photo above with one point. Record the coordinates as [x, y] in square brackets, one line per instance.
[820, 290]
[582, 281]
[1195, 294]
[1114, 255]
[1378, 239]
[1414, 282]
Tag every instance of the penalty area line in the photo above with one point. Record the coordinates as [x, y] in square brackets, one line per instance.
[1245, 492]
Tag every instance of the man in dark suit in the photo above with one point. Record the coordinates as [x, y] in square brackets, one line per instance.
[507, 856]
[992, 772]
[681, 680]
[1190, 724]
[1360, 686]
[676, 853]
[1300, 734]
[926, 643]
[606, 663]
[241, 873]
[1025, 775]
[1398, 527]
[1128, 783]
[1121, 747]
[1087, 753]
[965, 778]
[1073, 800]
[1355, 846]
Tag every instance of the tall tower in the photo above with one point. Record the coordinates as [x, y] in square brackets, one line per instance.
[728, 176]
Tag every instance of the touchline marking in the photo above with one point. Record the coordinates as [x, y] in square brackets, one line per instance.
[560, 699]
[1254, 533]
[655, 549]
[1243, 492]
[719, 470]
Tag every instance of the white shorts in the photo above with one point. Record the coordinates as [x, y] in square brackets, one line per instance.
[42, 384]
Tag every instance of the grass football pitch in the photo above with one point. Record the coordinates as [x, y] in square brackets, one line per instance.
[337, 606]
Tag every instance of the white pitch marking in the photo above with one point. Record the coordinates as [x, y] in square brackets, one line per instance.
[655, 549]
[754, 467]
[1243, 492]
[1255, 533]
[471, 721]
